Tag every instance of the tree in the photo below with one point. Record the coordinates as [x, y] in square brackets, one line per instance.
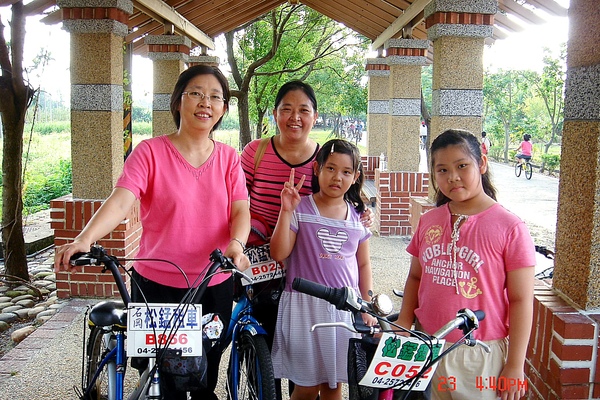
[290, 42]
[505, 94]
[549, 87]
[15, 97]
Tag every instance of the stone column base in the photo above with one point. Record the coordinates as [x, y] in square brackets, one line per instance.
[68, 217]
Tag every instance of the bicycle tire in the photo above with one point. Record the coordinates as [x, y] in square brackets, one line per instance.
[518, 169]
[96, 351]
[528, 171]
[252, 378]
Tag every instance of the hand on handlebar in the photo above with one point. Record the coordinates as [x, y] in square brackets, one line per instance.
[235, 252]
[63, 254]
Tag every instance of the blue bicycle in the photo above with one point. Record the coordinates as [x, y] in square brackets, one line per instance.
[250, 372]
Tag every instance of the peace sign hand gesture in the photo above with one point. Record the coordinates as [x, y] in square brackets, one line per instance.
[290, 195]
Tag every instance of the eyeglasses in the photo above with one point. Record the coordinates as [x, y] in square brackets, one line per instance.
[199, 96]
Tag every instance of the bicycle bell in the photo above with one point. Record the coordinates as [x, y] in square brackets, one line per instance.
[382, 304]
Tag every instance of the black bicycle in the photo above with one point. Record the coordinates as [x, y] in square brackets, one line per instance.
[525, 166]
[376, 366]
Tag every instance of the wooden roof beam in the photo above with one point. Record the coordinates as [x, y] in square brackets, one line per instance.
[550, 6]
[512, 7]
[163, 13]
[411, 12]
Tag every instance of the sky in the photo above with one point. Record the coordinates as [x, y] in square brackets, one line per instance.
[522, 50]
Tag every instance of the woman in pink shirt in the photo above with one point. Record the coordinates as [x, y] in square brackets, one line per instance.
[193, 199]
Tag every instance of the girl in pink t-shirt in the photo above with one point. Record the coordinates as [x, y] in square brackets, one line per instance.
[470, 252]
[525, 149]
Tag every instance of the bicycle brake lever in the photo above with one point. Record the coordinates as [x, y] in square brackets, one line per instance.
[477, 342]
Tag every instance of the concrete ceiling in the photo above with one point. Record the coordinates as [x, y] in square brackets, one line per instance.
[378, 20]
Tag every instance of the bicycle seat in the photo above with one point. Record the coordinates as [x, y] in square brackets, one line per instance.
[109, 312]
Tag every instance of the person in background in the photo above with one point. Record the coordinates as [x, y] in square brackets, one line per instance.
[487, 263]
[320, 238]
[485, 143]
[193, 199]
[525, 149]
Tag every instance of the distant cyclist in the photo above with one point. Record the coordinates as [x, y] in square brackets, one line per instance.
[524, 150]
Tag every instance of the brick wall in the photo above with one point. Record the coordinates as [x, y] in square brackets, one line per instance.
[562, 357]
[394, 191]
[68, 217]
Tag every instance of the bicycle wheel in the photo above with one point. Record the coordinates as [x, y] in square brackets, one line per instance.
[518, 169]
[252, 377]
[97, 348]
[528, 170]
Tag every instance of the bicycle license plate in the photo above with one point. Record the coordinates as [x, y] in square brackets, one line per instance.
[399, 358]
[164, 325]
[262, 266]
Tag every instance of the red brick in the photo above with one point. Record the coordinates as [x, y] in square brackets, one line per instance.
[573, 326]
[569, 376]
[569, 352]
[574, 392]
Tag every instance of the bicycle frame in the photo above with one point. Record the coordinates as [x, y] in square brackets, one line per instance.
[241, 320]
[109, 319]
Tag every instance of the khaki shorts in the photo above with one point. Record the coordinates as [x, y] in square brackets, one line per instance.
[464, 373]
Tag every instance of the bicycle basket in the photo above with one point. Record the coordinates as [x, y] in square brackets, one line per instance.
[184, 373]
[360, 354]
[189, 373]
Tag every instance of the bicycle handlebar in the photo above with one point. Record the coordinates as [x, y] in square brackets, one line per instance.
[345, 298]
[98, 256]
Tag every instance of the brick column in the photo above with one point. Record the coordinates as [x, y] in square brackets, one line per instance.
[458, 29]
[405, 58]
[378, 107]
[169, 54]
[562, 362]
[203, 60]
[394, 191]
[97, 34]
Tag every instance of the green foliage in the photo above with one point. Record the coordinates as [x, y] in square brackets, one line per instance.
[41, 186]
[141, 114]
[141, 128]
[552, 161]
[48, 128]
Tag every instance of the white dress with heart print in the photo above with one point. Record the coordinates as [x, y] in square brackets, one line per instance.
[325, 252]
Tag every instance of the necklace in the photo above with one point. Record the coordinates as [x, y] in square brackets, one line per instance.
[455, 236]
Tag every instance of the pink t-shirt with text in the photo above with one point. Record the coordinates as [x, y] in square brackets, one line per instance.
[490, 244]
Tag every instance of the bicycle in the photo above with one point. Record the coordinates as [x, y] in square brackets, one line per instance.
[250, 371]
[152, 330]
[386, 374]
[524, 166]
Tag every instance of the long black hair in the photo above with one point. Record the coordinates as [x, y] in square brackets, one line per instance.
[469, 143]
[343, 147]
[185, 77]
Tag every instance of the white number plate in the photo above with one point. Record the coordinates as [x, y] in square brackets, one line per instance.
[150, 326]
[262, 266]
[399, 358]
